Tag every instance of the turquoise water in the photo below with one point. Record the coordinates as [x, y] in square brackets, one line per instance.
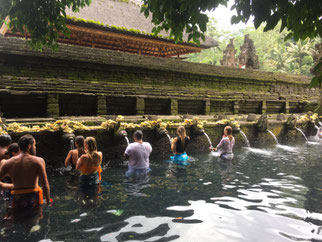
[263, 195]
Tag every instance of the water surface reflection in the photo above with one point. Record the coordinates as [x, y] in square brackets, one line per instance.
[270, 195]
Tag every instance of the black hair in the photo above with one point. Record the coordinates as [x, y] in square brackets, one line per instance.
[5, 140]
[138, 134]
[24, 141]
[13, 148]
[79, 140]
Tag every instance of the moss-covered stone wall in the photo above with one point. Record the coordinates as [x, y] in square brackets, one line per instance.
[106, 76]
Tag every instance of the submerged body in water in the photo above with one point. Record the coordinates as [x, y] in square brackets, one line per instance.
[89, 164]
[138, 154]
[178, 146]
[225, 146]
[229, 201]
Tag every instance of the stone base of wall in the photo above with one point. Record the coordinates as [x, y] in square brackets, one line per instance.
[54, 148]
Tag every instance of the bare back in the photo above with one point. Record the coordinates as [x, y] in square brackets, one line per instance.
[72, 157]
[25, 170]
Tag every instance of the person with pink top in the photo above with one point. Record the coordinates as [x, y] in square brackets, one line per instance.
[225, 146]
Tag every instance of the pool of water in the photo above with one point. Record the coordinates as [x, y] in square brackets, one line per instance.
[263, 195]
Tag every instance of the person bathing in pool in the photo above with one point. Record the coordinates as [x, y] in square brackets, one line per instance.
[75, 154]
[138, 154]
[225, 146]
[179, 145]
[89, 164]
[5, 141]
[26, 170]
[13, 150]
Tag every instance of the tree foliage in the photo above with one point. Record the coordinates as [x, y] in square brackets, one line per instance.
[275, 55]
[302, 18]
[43, 20]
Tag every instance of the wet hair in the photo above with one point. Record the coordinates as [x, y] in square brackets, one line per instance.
[79, 140]
[24, 141]
[13, 148]
[5, 140]
[229, 132]
[138, 135]
[182, 132]
[92, 148]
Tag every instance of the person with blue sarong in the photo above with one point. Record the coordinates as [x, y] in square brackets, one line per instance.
[178, 147]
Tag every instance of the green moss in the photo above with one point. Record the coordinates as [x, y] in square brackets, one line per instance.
[135, 31]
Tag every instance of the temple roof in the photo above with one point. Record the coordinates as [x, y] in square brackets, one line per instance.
[119, 25]
[126, 15]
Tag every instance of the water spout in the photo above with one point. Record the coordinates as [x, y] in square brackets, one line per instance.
[169, 138]
[209, 141]
[320, 123]
[127, 140]
[317, 128]
[245, 138]
[300, 130]
[71, 143]
[274, 137]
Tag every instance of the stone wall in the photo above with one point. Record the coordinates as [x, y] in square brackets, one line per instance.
[83, 81]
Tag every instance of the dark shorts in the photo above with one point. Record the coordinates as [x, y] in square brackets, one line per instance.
[89, 180]
[27, 200]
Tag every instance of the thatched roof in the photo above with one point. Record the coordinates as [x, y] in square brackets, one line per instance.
[119, 25]
[125, 14]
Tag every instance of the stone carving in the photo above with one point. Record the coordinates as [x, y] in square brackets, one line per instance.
[317, 54]
[291, 122]
[248, 58]
[229, 58]
[262, 123]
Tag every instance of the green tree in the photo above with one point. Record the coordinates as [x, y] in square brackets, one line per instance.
[299, 55]
[42, 19]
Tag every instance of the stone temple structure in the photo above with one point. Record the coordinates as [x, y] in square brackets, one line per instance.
[248, 58]
[119, 25]
[229, 58]
[109, 70]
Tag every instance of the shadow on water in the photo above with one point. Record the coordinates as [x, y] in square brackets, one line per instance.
[272, 194]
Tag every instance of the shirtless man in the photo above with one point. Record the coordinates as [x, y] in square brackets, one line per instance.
[25, 170]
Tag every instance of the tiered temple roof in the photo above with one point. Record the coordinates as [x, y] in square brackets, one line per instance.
[119, 25]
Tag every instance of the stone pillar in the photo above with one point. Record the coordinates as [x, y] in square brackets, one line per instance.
[236, 107]
[174, 107]
[287, 107]
[229, 58]
[101, 105]
[140, 106]
[53, 105]
[248, 58]
[264, 107]
[207, 107]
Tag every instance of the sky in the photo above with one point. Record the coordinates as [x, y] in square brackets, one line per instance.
[223, 16]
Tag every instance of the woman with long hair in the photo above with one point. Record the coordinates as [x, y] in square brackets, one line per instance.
[73, 155]
[225, 146]
[89, 164]
[179, 145]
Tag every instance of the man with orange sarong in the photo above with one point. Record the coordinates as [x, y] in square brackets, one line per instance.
[25, 171]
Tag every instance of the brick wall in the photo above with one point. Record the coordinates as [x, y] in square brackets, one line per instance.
[111, 82]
